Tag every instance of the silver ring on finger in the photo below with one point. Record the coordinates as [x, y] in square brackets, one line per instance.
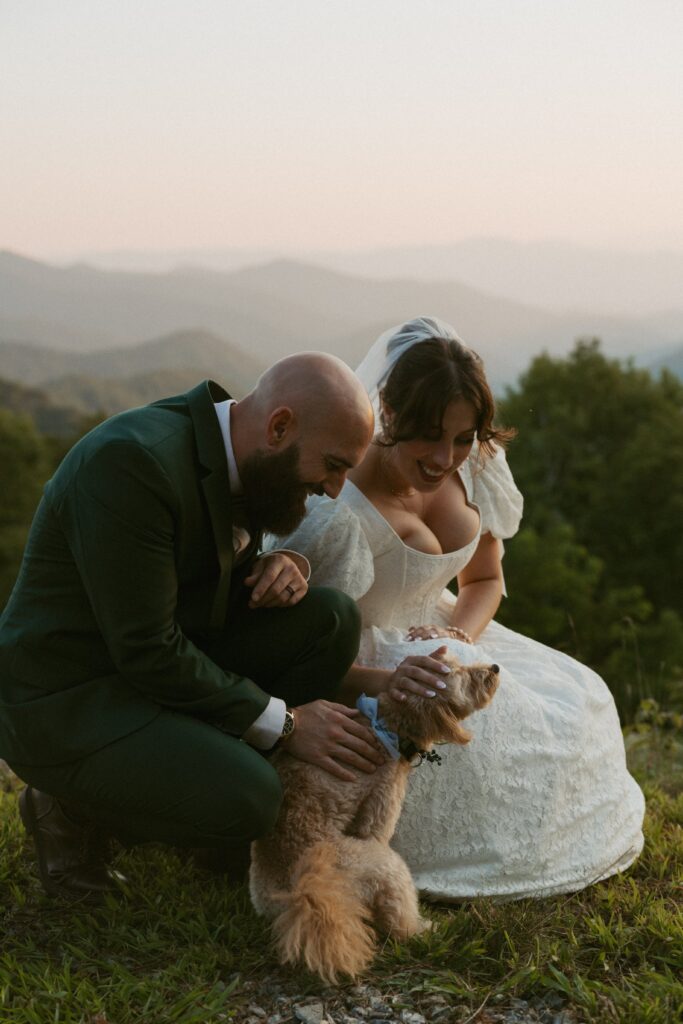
[290, 590]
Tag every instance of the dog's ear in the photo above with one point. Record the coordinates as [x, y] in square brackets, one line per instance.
[450, 729]
[456, 732]
[425, 720]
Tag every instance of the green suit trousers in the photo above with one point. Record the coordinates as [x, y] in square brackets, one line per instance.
[183, 781]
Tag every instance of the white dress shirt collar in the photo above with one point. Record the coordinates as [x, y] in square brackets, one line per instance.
[223, 413]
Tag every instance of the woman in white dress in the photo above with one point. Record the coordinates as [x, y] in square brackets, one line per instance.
[540, 801]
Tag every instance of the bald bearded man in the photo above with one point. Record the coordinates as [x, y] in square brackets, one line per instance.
[149, 654]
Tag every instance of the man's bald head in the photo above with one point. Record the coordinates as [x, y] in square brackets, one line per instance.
[315, 385]
[310, 404]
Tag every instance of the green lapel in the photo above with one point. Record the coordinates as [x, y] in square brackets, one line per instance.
[211, 451]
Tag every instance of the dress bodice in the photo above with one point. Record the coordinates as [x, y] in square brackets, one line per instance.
[352, 547]
[407, 583]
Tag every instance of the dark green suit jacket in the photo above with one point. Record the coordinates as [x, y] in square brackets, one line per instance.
[129, 555]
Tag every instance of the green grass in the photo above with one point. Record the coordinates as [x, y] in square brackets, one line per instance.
[185, 948]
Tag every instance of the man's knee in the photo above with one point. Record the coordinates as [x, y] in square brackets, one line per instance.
[253, 810]
[263, 804]
[339, 617]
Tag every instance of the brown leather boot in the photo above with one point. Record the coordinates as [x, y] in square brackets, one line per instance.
[71, 850]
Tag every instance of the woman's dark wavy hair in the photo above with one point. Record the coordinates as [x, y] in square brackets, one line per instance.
[425, 380]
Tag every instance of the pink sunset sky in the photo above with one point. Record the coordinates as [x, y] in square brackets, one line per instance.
[325, 124]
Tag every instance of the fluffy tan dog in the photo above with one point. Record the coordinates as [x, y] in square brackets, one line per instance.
[326, 873]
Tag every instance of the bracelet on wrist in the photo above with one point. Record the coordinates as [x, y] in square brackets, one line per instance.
[460, 634]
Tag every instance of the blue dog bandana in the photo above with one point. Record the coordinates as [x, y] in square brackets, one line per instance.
[389, 740]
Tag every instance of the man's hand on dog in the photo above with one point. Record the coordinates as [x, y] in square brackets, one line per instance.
[331, 737]
[276, 582]
[420, 674]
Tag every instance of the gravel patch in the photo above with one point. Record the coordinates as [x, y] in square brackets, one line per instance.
[275, 1002]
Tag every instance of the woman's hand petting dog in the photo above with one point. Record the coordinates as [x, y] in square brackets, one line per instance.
[420, 674]
[276, 582]
[330, 736]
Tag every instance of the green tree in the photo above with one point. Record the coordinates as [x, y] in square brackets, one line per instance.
[558, 597]
[556, 590]
[27, 459]
[600, 447]
[24, 467]
[596, 569]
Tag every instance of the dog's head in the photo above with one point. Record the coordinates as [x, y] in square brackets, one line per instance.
[429, 720]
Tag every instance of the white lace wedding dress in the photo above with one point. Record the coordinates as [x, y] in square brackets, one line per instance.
[540, 801]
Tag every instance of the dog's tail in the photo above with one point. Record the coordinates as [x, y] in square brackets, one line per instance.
[323, 922]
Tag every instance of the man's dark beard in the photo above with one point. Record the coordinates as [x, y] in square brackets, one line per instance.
[273, 490]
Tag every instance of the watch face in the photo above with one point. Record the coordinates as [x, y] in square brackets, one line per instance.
[288, 725]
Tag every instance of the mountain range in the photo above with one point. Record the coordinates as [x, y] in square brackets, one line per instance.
[200, 352]
[556, 275]
[552, 274]
[48, 416]
[71, 328]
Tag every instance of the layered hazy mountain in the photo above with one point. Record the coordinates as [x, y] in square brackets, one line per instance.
[114, 379]
[554, 275]
[82, 332]
[48, 415]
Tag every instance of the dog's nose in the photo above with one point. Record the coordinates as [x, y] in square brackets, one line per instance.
[495, 668]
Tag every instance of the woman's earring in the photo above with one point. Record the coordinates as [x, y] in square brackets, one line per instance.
[384, 421]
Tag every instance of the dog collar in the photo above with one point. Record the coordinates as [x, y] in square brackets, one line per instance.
[391, 741]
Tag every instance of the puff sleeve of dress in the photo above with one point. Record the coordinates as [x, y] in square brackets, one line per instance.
[332, 539]
[492, 488]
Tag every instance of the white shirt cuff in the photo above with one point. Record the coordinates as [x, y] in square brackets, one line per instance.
[288, 551]
[267, 728]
